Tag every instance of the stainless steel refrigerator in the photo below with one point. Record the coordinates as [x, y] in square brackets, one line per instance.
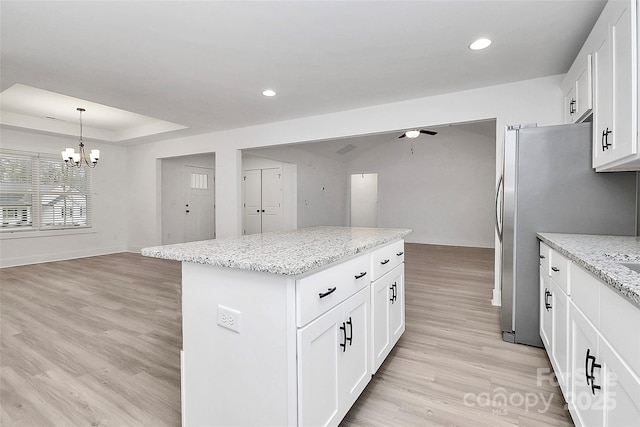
[548, 185]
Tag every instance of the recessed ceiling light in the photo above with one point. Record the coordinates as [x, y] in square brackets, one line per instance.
[480, 44]
[269, 92]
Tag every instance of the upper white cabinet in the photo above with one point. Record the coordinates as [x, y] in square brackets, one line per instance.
[611, 50]
[577, 87]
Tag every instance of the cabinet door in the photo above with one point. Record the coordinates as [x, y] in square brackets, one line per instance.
[396, 302]
[546, 312]
[585, 400]
[354, 369]
[380, 319]
[615, 96]
[560, 334]
[318, 381]
[623, 56]
[583, 95]
[622, 390]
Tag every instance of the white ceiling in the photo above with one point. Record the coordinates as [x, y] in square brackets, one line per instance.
[204, 64]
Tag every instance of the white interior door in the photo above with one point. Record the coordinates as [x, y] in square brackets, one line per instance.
[271, 200]
[252, 201]
[364, 200]
[200, 204]
[263, 200]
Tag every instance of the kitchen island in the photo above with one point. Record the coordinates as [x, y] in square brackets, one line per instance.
[286, 328]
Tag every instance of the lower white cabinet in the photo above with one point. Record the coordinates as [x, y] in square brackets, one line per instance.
[605, 390]
[333, 361]
[554, 313]
[586, 397]
[560, 347]
[387, 314]
[593, 343]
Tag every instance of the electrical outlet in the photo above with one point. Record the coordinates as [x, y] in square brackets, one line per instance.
[229, 318]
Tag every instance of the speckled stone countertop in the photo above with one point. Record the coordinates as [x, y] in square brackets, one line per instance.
[602, 255]
[287, 252]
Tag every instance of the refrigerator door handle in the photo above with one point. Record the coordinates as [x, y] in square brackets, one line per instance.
[498, 210]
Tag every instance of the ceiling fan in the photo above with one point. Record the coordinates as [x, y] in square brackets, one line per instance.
[412, 134]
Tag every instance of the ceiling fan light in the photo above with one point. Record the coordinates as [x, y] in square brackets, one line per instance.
[412, 134]
[480, 44]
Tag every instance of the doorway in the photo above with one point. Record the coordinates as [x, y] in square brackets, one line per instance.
[364, 200]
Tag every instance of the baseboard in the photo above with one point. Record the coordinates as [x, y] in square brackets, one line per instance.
[58, 256]
[497, 298]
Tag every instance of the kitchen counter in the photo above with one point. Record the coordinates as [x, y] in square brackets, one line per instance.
[602, 255]
[287, 253]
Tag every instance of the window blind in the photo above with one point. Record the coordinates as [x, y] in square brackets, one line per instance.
[16, 191]
[39, 192]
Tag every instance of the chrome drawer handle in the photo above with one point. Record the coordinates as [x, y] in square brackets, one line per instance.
[329, 292]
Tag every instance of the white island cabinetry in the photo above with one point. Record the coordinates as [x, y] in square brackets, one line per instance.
[277, 328]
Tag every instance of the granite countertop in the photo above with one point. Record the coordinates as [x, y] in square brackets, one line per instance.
[602, 255]
[287, 252]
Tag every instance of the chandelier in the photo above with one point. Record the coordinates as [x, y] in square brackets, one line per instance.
[79, 159]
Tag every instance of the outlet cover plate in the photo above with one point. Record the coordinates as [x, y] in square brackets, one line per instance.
[229, 318]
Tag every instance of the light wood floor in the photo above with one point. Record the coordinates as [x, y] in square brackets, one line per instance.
[95, 342]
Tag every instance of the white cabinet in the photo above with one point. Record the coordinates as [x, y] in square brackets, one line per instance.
[613, 42]
[578, 97]
[333, 361]
[387, 314]
[605, 390]
[560, 347]
[595, 353]
[586, 397]
[554, 311]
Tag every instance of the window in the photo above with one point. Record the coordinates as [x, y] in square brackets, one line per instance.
[38, 192]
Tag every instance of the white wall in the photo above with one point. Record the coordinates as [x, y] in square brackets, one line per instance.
[443, 191]
[538, 100]
[110, 185]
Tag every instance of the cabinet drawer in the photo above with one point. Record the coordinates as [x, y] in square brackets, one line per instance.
[585, 293]
[319, 292]
[386, 259]
[544, 259]
[559, 270]
[619, 322]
